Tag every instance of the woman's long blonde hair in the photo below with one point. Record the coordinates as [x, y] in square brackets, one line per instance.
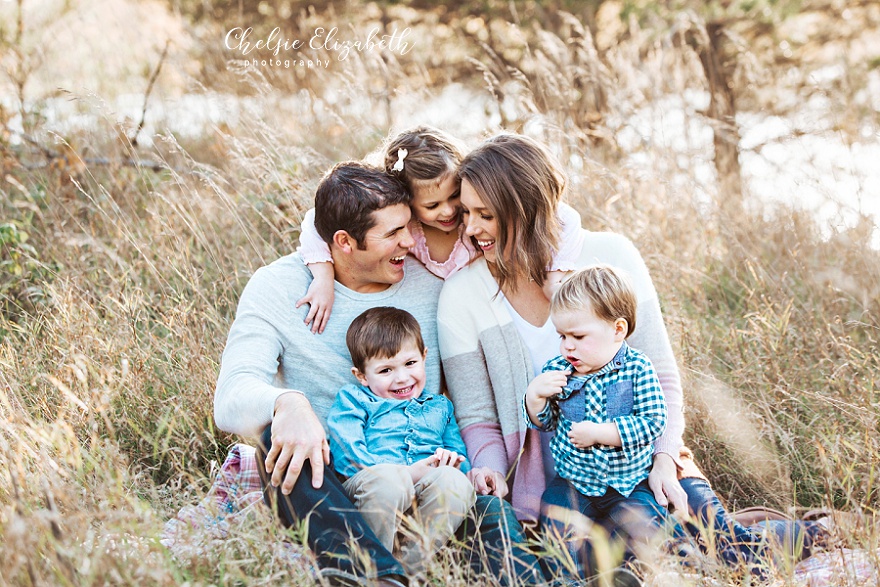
[521, 183]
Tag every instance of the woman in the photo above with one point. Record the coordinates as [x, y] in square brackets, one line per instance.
[495, 334]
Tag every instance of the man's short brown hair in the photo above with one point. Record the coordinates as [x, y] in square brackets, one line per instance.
[348, 195]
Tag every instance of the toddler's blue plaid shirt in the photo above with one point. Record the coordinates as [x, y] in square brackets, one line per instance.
[627, 392]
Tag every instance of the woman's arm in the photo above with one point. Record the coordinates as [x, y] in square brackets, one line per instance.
[469, 384]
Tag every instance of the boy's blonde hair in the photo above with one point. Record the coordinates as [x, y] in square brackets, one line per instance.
[381, 333]
[608, 292]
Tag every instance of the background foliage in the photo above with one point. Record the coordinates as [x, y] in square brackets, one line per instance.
[146, 174]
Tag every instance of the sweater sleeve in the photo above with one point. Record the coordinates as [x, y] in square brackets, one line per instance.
[312, 247]
[571, 241]
[244, 399]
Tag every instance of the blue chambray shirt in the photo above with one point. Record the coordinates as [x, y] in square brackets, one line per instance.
[367, 430]
[625, 391]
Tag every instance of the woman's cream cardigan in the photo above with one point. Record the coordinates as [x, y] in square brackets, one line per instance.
[487, 367]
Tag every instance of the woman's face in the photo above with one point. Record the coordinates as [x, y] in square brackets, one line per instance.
[479, 221]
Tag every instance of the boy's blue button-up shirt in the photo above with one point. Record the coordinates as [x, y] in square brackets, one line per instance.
[367, 430]
[625, 391]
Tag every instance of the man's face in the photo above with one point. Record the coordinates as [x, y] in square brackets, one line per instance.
[379, 263]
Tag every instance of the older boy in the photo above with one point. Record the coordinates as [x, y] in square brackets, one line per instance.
[398, 445]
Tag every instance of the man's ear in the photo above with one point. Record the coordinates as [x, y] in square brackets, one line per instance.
[344, 241]
[359, 376]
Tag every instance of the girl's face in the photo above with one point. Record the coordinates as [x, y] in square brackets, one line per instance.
[480, 222]
[436, 204]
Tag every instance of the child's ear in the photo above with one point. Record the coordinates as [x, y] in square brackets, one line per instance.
[344, 241]
[359, 376]
[621, 326]
[425, 354]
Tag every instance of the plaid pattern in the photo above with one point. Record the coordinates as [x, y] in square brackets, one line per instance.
[627, 392]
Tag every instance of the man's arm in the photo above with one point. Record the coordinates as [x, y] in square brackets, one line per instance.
[246, 399]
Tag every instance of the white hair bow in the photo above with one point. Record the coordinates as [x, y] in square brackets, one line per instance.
[401, 155]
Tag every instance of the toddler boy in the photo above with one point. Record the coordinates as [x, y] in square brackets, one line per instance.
[604, 401]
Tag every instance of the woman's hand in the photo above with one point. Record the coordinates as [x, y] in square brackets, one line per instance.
[663, 481]
[488, 482]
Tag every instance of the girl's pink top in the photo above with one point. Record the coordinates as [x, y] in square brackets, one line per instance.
[313, 249]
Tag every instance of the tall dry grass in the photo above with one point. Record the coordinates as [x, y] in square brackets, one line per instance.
[120, 282]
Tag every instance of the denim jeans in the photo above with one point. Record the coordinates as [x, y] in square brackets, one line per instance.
[736, 544]
[634, 520]
[335, 531]
[496, 543]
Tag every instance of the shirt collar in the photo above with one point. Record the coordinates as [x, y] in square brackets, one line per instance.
[576, 381]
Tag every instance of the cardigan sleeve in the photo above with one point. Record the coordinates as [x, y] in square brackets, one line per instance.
[650, 336]
[244, 398]
[467, 379]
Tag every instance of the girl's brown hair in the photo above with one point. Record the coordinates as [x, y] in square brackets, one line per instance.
[431, 155]
[521, 183]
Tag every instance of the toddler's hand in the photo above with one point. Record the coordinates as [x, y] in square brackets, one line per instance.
[581, 434]
[447, 458]
[548, 384]
[320, 299]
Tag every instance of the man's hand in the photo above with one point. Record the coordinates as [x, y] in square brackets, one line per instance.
[488, 482]
[297, 436]
[663, 481]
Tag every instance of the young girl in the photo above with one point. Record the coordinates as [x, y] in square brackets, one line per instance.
[426, 160]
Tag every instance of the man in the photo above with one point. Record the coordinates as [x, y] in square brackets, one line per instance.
[279, 379]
